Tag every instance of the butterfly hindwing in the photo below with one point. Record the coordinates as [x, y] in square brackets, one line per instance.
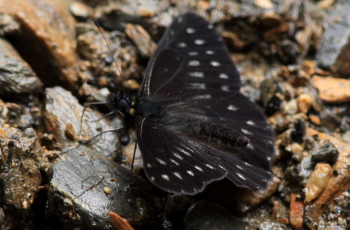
[172, 163]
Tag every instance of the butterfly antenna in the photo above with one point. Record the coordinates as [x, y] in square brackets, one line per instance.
[98, 25]
[85, 107]
[88, 141]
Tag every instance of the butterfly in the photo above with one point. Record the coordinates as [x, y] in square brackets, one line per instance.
[193, 125]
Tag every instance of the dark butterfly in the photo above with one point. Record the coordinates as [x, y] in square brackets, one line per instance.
[193, 125]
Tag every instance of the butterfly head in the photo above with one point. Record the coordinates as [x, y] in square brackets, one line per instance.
[121, 102]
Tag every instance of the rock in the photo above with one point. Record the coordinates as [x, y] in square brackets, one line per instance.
[80, 10]
[304, 102]
[62, 111]
[296, 215]
[78, 198]
[334, 47]
[16, 76]
[20, 175]
[49, 28]
[271, 96]
[339, 182]
[142, 40]
[332, 90]
[327, 153]
[318, 181]
[204, 215]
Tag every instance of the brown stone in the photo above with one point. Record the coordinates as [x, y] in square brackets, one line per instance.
[142, 39]
[304, 103]
[318, 181]
[46, 38]
[296, 215]
[332, 90]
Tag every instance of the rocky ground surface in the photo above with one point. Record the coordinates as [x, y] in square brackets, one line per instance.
[294, 60]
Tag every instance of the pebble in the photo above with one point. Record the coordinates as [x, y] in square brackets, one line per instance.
[332, 90]
[296, 214]
[304, 103]
[318, 181]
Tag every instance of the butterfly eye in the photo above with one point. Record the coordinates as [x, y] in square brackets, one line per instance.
[123, 105]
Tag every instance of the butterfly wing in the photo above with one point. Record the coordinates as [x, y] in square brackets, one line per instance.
[172, 163]
[193, 69]
[190, 57]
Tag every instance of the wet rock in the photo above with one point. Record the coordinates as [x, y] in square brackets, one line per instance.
[63, 111]
[205, 215]
[20, 176]
[49, 28]
[78, 198]
[318, 181]
[327, 153]
[142, 40]
[334, 47]
[16, 76]
[332, 90]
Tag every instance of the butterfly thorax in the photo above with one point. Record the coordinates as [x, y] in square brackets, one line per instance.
[189, 123]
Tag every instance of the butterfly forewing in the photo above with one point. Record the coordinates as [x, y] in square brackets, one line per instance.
[191, 58]
[193, 74]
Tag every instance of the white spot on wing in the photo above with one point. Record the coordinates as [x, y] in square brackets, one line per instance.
[174, 161]
[250, 146]
[250, 123]
[196, 74]
[161, 161]
[199, 41]
[165, 177]
[201, 97]
[210, 26]
[209, 52]
[193, 53]
[178, 175]
[190, 173]
[239, 167]
[181, 45]
[152, 178]
[232, 108]
[194, 63]
[268, 158]
[178, 156]
[209, 166]
[241, 176]
[223, 76]
[197, 85]
[225, 88]
[246, 132]
[215, 63]
[149, 165]
[198, 168]
[190, 30]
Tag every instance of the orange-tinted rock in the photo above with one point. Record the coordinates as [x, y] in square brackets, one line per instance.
[45, 38]
[142, 39]
[340, 181]
[318, 181]
[296, 215]
[332, 90]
